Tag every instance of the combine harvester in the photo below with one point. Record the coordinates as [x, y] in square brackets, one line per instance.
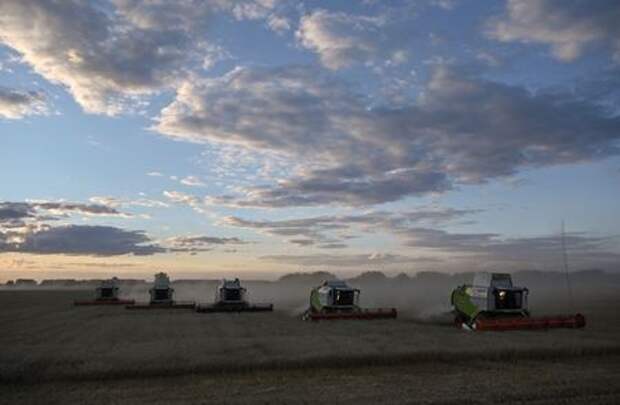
[162, 296]
[493, 303]
[106, 294]
[336, 300]
[230, 296]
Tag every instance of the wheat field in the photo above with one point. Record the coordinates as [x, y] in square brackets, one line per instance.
[47, 342]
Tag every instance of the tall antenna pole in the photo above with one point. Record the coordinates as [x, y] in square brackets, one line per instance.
[565, 261]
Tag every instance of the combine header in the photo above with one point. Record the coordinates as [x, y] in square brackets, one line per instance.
[493, 303]
[336, 300]
[106, 294]
[162, 296]
[230, 296]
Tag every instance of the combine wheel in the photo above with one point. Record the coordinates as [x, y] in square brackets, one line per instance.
[459, 320]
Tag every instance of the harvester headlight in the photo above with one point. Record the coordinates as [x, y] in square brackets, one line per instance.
[502, 295]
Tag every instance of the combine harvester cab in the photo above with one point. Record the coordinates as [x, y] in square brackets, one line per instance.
[106, 294]
[493, 303]
[230, 296]
[336, 300]
[162, 296]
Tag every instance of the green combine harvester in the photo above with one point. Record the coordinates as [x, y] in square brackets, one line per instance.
[334, 299]
[492, 302]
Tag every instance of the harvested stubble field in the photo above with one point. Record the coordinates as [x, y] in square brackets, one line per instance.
[55, 353]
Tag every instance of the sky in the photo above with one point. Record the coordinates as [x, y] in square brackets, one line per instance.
[261, 137]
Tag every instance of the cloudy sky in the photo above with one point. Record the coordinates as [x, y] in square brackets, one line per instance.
[258, 137]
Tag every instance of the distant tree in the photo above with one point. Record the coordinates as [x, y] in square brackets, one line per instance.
[402, 277]
[370, 276]
[314, 277]
[25, 282]
[431, 276]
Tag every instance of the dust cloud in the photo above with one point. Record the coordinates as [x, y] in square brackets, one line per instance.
[423, 297]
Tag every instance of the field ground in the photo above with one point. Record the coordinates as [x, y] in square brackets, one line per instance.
[586, 380]
[55, 353]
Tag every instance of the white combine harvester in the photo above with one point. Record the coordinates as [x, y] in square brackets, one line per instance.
[161, 293]
[106, 294]
[162, 296]
[230, 296]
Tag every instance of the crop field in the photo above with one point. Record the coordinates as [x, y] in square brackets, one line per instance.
[55, 353]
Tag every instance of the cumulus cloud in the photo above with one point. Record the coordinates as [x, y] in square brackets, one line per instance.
[341, 39]
[462, 129]
[279, 24]
[104, 55]
[110, 54]
[200, 243]
[345, 260]
[25, 227]
[187, 199]
[249, 9]
[90, 240]
[11, 210]
[276, 13]
[568, 26]
[494, 243]
[255, 108]
[302, 242]
[205, 240]
[55, 209]
[335, 245]
[295, 112]
[61, 208]
[213, 55]
[332, 230]
[124, 202]
[15, 104]
[192, 181]
[179, 197]
[441, 250]
[445, 4]
[82, 240]
[542, 251]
